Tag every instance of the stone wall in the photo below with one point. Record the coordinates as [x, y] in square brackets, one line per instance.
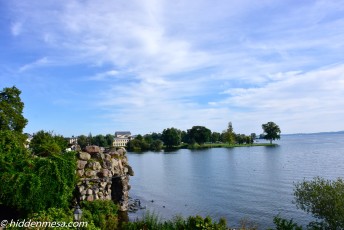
[104, 175]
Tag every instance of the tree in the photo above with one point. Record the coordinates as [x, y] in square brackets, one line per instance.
[215, 137]
[82, 141]
[171, 137]
[109, 139]
[11, 111]
[271, 131]
[156, 145]
[230, 134]
[199, 134]
[99, 140]
[324, 199]
[46, 143]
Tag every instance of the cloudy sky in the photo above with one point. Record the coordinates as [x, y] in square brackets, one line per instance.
[108, 65]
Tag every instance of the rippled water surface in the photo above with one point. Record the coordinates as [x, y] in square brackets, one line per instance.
[235, 183]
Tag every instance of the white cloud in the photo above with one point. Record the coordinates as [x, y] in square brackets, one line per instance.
[38, 63]
[161, 63]
[16, 28]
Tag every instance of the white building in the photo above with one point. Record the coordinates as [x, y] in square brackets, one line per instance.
[121, 138]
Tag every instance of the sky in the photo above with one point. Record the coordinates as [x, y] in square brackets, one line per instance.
[103, 66]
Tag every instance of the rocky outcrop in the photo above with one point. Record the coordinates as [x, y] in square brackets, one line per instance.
[104, 176]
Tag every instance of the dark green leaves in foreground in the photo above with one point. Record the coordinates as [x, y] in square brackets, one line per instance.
[324, 199]
[38, 183]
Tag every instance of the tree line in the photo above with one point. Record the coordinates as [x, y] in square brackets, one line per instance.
[197, 136]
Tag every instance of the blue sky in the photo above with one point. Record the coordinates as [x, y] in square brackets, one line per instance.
[103, 66]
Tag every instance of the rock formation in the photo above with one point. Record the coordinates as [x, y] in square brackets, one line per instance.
[104, 175]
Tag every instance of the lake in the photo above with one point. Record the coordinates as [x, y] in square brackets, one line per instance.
[235, 183]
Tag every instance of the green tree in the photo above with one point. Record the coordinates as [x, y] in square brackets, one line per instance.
[109, 139]
[82, 141]
[156, 145]
[271, 131]
[230, 134]
[46, 143]
[99, 140]
[171, 137]
[324, 199]
[215, 137]
[11, 112]
[199, 134]
[134, 145]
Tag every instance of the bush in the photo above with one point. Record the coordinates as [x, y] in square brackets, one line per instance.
[33, 184]
[103, 213]
[324, 199]
[152, 222]
[283, 224]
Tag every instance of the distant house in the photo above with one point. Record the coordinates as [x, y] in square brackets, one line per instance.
[121, 138]
[72, 140]
[28, 140]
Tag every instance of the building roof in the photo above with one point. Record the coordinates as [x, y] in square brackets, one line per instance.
[122, 133]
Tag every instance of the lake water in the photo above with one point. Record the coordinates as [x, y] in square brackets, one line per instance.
[235, 183]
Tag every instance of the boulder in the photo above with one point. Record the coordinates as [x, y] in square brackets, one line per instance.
[90, 173]
[80, 172]
[81, 164]
[92, 149]
[130, 170]
[96, 166]
[84, 156]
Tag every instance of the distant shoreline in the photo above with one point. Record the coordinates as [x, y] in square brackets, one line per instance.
[319, 133]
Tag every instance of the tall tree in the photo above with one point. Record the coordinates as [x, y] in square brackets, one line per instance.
[230, 134]
[271, 131]
[11, 111]
[171, 137]
[199, 134]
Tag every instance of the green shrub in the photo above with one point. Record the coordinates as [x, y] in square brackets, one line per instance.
[33, 184]
[151, 221]
[283, 224]
[103, 213]
[324, 199]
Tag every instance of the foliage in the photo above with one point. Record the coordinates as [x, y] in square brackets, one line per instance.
[153, 222]
[230, 134]
[156, 145]
[271, 131]
[11, 142]
[46, 143]
[215, 137]
[171, 137]
[283, 224]
[32, 184]
[63, 215]
[99, 140]
[11, 109]
[137, 145]
[243, 139]
[103, 213]
[324, 199]
[53, 215]
[199, 134]
[82, 141]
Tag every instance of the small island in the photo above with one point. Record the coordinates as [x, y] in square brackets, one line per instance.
[201, 137]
